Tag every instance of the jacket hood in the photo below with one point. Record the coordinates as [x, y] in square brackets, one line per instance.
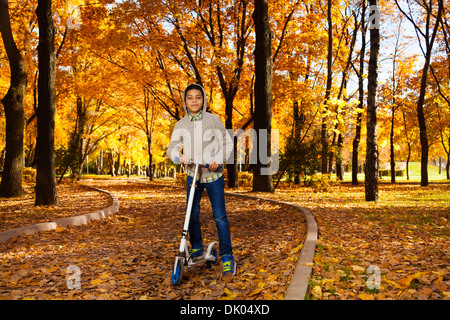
[190, 87]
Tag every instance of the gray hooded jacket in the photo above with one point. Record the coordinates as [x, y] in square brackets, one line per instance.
[203, 140]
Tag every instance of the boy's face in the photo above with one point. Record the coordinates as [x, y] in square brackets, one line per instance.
[194, 101]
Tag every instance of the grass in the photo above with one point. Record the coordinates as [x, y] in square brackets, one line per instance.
[414, 174]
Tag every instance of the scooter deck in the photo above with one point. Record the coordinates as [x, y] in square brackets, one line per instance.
[207, 256]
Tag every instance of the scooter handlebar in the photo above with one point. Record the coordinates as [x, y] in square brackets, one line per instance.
[177, 160]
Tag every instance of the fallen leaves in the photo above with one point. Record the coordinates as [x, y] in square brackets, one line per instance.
[130, 255]
[75, 200]
[405, 235]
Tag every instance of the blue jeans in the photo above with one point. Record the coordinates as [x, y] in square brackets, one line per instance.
[216, 196]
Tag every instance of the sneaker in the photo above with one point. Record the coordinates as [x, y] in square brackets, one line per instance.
[228, 264]
[195, 253]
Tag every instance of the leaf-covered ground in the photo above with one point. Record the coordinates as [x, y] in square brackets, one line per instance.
[404, 236]
[75, 200]
[130, 255]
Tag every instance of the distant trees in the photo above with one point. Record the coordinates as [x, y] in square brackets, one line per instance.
[431, 12]
[109, 85]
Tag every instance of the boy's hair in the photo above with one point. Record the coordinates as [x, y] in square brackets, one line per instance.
[194, 86]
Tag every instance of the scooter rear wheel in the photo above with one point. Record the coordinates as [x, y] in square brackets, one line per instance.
[209, 264]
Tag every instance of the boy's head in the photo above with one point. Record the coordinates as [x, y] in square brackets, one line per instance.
[194, 98]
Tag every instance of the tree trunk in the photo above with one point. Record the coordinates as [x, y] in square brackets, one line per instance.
[391, 142]
[150, 159]
[409, 146]
[328, 89]
[447, 167]
[339, 173]
[423, 84]
[46, 191]
[73, 156]
[232, 168]
[80, 137]
[11, 185]
[262, 181]
[357, 138]
[371, 179]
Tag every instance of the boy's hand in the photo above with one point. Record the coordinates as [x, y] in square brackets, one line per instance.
[184, 159]
[213, 166]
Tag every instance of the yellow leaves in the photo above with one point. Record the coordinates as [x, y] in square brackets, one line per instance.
[325, 281]
[119, 258]
[297, 249]
[230, 295]
[255, 292]
[357, 268]
[406, 281]
[317, 292]
[365, 296]
[60, 229]
[103, 278]
[439, 276]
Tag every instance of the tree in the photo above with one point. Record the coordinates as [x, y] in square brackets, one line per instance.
[46, 191]
[229, 74]
[394, 105]
[396, 108]
[371, 181]
[328, 89]
[428, 7]
[262, 181]
[359, 114]
[11, 185]
[222, 23]
[344, 59]
[441, 75]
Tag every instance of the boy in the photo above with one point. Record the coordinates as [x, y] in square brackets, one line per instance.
[204, 139]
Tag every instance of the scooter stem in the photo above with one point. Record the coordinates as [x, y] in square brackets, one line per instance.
[188, 210]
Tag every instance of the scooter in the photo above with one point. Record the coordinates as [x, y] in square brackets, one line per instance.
[184, 259]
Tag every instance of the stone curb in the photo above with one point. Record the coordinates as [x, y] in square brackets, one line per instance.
[298, 288]
[64, 222]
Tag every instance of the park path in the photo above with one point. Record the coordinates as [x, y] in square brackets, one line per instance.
[130, 255]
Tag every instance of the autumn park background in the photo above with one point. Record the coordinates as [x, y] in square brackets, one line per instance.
[357, 91]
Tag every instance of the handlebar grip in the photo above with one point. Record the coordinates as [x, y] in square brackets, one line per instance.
[218, 168]
[178, 161]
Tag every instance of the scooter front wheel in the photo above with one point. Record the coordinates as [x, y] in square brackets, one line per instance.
[177, 273]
